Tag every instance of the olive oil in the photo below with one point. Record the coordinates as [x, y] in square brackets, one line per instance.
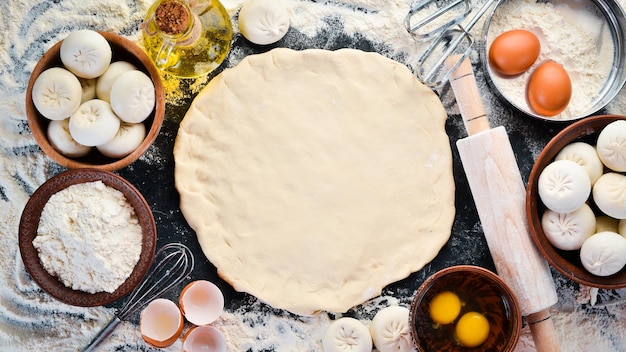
[195, 48]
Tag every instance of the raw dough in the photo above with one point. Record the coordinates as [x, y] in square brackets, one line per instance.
[264, 21]
[94, 123]
[347, 334]
[568, 231]
[611, 145]
[61, 140]
[132, 96]
[105, 82]
[609, 194]
[315, 178]
[563, 186]
[586, 156]
[390, 330]
[128, 138]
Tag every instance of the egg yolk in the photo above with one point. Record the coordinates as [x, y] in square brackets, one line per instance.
[445, 307]
[472, 329]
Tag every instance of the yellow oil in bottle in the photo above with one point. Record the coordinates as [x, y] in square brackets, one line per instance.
[198, 48]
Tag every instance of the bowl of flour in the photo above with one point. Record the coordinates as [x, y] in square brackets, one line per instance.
[586, 37]
[87, 237]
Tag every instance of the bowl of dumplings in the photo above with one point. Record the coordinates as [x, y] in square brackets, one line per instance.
[95, 100]
[576, 202]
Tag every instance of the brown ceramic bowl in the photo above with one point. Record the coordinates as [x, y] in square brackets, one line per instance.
[29, 223]
[480, 290]
[123, 50]
[566, 262]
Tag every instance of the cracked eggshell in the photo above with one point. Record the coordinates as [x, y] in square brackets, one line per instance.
[604, 253]
[56, 93]
[347, 334]
[202, 302]
[86, 53]
[61, 140]
[161, 323]
[133, 96]
[568, 231]
[390, 330]
[94, 123]
[204, 338]
[264, 22]
[563, 186]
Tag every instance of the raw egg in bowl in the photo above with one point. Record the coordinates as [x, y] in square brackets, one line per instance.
[556, 60]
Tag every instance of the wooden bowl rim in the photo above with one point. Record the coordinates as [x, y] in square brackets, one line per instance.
[580, 129]
[508, 294]
[29, 223]
[34, 118]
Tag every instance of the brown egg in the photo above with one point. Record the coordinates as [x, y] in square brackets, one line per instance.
[514, 51]
[201, 302]
[549, 89]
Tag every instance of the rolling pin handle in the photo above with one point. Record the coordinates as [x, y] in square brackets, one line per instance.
[543, 332]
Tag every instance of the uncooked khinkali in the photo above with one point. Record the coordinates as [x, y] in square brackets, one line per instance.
[604, 253]
[390, 330]
[347, 334]
[611, 145]
[86, 53]
[609, 194]
[568, 231]
[263, 21]
[586, 156]
[563, 186]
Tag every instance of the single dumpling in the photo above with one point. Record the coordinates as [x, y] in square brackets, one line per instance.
[563, 186]
[568, 231]
[604, 253]
[586, 156]
[609, 194]
[611, 145]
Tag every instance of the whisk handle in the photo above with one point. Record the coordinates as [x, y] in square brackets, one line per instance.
[104, 333]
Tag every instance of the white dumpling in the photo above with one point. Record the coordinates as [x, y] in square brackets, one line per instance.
[56, 93]
[263, 21]
[390, 330]
[105, 82]
[606, 223]
[347, 334]
[586, 156]
[86, 53]
[61, 140]
[563, 186]
[127, 139]
[132, 96]
[611, 145]
[604, 253]
[609, 194]
[568, 231]
[94, 123]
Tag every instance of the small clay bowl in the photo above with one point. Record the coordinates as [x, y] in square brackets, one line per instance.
[29, 224]
[567, 262]
[123, 50]
[480, 290]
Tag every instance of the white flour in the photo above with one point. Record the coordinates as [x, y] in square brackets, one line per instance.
[32, 321]
[89, 237]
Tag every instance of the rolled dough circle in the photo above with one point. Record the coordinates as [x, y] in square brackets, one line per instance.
[315, 178]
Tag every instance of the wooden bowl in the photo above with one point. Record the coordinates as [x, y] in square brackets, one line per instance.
[29, 224]
[480, 290]
[123, 50]
[566, 262]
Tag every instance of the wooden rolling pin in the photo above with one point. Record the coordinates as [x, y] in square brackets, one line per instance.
[499, 194]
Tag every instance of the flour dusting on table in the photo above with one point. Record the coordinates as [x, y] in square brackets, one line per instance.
[32, 320]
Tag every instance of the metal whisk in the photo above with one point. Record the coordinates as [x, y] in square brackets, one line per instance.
[173, 262]
[450, 38]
